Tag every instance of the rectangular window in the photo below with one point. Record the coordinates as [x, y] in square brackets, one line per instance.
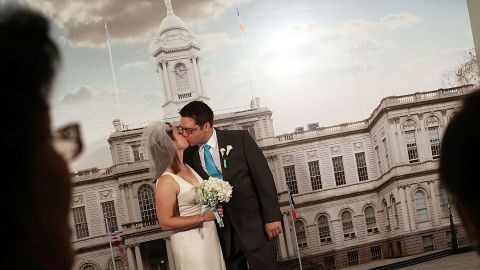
[338, 171]
[251, 130]
[110, 216]
[428, 243]
[411, 146]
[353, 257]
[361, 166]
[377, 152]
[315, 177]
[138, 153]
[376, 253]
[80, 221]
[434, 142]
[329, 262]
[385, 149]
[291, 179]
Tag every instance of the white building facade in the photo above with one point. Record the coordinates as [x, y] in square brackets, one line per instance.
[363, 191]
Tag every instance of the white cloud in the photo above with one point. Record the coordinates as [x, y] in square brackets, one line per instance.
[215, 41]
[129, 21]
[140, 65]
[80, 95]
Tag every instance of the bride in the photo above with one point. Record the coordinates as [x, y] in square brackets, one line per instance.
[195, 243]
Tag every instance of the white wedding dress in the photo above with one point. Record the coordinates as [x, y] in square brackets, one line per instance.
[198, 248]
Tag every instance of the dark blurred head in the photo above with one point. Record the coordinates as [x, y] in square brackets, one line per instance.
[37, 192]
[28, 63]
[460, 156]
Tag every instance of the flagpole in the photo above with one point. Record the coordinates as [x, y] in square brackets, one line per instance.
[242, 29]
[290, 199]
[107, 36]
[110, 242]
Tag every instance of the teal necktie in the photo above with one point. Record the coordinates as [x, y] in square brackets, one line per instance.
[209, 163]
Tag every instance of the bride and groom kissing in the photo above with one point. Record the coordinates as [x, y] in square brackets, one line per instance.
[186, 154]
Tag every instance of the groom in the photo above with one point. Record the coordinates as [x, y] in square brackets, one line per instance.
[252, 217]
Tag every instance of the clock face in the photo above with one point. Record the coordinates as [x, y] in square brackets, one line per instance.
[180, 70]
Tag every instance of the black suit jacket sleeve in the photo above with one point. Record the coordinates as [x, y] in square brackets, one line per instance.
[262, 179]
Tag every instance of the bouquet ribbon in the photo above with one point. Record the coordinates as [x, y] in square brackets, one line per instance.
[215, 212]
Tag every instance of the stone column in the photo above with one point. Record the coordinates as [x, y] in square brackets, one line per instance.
[200, 76]
[162, 77]
[131, 261]
[443, 124]
[435, 207]
[411, 209]
[288, 235]
[404, 205]
[134, 217]
[283, 249]
[125, 206]
[167, 81]
[171, 261]
[196, 77]
[397, 146]
[138, 256]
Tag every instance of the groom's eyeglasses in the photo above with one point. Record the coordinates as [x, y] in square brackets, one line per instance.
[181, 130]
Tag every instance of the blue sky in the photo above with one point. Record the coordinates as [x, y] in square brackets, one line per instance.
[326, 61]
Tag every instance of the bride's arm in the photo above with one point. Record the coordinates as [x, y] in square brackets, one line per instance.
[167, 209]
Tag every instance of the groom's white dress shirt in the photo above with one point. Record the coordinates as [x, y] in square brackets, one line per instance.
[213, 143]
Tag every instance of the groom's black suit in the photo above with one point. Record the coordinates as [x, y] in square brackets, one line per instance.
[254, 201]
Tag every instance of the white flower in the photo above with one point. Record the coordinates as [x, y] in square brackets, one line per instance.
[212, 191]
[222, 150]
[229, 148]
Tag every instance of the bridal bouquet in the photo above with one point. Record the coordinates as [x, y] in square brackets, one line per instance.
[211, 192]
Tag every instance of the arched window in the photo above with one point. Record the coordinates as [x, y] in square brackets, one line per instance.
[324, 230]
[146, 200]
[301, 234]
[88, 266]
[370, 219]
[387, 216]
[421, 206]
[119, 264]
[395, 212]
[347, 225]
[443, 198]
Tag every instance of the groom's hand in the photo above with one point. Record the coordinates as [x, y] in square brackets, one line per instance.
[273, 229]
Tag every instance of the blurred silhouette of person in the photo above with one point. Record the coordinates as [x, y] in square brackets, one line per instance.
[36, 182]
[458, 164]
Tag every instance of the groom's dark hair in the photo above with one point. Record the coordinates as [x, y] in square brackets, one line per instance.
[198, 111]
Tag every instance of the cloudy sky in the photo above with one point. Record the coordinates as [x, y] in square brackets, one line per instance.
[326, 61]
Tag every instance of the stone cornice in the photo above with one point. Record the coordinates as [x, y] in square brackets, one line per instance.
[387, 104]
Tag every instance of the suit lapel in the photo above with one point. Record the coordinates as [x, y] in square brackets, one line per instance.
[221, 140]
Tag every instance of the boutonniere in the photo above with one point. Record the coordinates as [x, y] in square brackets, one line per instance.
[225, 154]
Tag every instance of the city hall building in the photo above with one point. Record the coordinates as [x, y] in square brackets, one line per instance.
[362, 191]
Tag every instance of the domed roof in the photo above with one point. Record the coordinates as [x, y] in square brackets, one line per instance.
[172, 21]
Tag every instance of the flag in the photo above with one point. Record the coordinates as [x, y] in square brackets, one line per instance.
[242, 27]
[292, 207]
[107, 33]
[117, 243]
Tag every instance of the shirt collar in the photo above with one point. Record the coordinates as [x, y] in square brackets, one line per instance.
[213, 142]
